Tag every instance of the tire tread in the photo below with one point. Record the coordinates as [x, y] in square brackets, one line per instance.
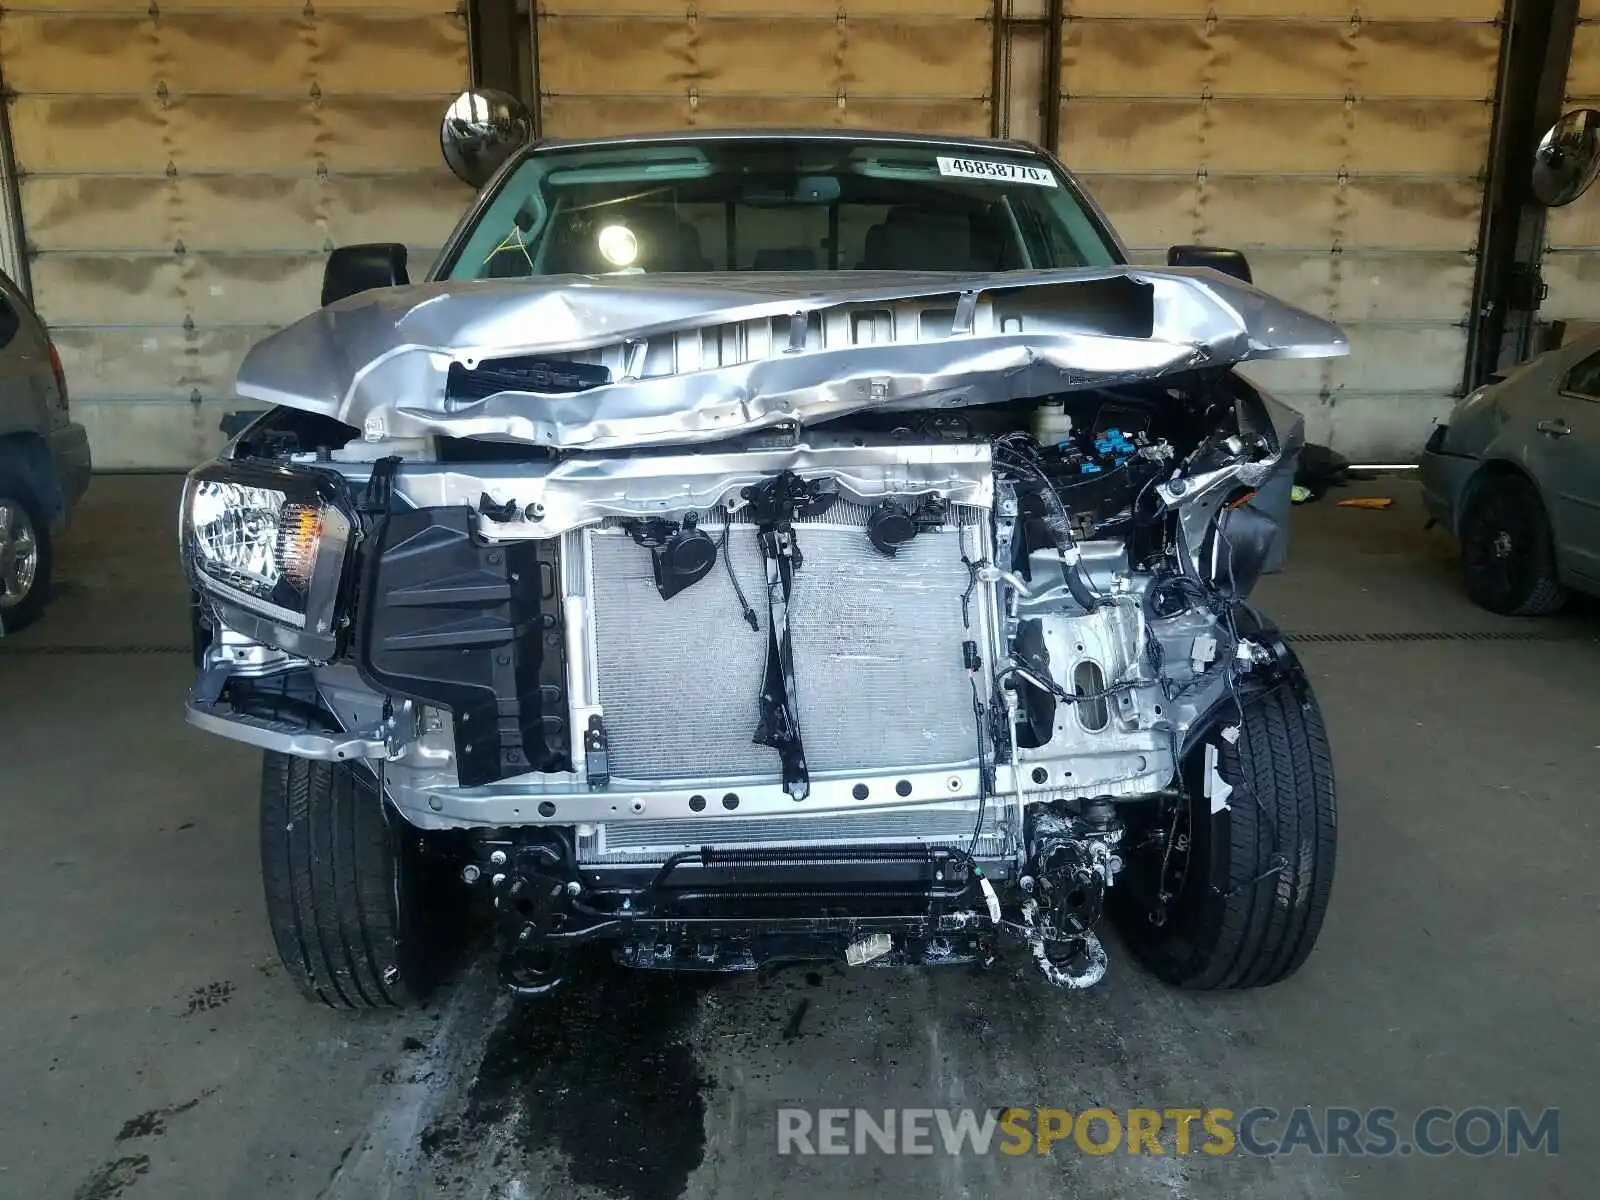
[1253, 925]
[18, 618]
[325, 855]
[1546, 593]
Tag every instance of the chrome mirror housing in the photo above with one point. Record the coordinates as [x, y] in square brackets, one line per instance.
[481, 129]
[1568, 158]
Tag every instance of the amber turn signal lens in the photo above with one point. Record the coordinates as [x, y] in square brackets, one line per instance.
[299, 532]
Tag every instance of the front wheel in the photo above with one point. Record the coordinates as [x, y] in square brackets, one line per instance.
[26, 554]
[1507, 554]
[1234, 898]
[354, 903]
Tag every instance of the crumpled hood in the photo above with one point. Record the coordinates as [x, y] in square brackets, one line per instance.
[684, 359]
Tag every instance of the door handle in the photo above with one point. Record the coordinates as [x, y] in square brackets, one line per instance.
[1557, 428]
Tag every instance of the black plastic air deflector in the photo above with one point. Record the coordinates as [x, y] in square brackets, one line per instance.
[529, 373]
[474, 627]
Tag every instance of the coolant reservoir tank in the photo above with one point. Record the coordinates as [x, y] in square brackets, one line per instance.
[1052, 425]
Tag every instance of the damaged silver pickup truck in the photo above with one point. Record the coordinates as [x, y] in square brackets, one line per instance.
[769, 546]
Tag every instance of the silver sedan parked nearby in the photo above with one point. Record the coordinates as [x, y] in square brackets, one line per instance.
[44, 458]
[1515, 475]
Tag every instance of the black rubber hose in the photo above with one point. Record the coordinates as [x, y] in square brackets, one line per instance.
[1078, 585]
[1059, 523]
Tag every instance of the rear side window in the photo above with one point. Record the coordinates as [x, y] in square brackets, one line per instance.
[1585, 377]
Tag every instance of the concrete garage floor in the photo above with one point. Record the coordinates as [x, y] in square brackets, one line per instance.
[150, 1046]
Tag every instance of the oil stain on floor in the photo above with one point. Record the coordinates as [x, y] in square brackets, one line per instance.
[602, 1075]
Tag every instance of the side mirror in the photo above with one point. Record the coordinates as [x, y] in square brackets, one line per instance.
[354, 269]
[1568, 158]
[482, 128]
[1229, 262]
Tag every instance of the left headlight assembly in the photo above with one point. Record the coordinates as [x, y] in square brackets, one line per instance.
[270, 541]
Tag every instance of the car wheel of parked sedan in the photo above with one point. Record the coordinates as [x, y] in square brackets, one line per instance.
[26, 554]
[1507, 553]
[358, 906]
[1227, 889]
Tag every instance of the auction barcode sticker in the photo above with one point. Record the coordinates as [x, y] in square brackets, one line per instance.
[997, 172]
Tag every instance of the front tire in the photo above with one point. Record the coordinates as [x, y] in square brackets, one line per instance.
[345, 887]
[1508, 555]
[1243, 891]
[27, 555]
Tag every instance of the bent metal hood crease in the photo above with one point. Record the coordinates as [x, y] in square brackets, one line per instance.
[697, 358]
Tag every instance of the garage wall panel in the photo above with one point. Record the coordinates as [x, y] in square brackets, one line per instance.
[879, 112]
[155, 433]
[577, 116]
[1422, 214]
[1123, 135]
[1372, 345]
[1583, 74]
[88, 133]
[382, 134]
[629, 65]
[129, 135]
[1300, 10]
[1403, 285]
[384, 53]
[151, 359]
[1255, 134]
[581, 55]
[255, 289]
[214, 6]
[1425, 58]
[53, 54]
[817, 10]
[1151, 211]
[125, 135]
[1341, 145]
[186, 166]
[916, 114]
[946, 58]
[256, 212]
[737, 55]
[1372, 288]
[1357, 419]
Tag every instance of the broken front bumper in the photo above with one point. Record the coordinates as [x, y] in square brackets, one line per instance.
[1444, 479]
[735, 910]
[721, 909]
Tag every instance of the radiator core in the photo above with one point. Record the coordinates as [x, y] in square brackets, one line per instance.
[880, 676]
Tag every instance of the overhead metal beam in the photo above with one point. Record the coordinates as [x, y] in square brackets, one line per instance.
[494, 33]
[1051, 124]
[1000, 69]
[530, 76]
[1530, 89]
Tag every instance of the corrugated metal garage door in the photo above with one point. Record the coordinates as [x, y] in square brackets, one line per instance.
[632, 65]
[1341, 148]
[1572, 233]
[186, 166]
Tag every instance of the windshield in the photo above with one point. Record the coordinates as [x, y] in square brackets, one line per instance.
[779, 205]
